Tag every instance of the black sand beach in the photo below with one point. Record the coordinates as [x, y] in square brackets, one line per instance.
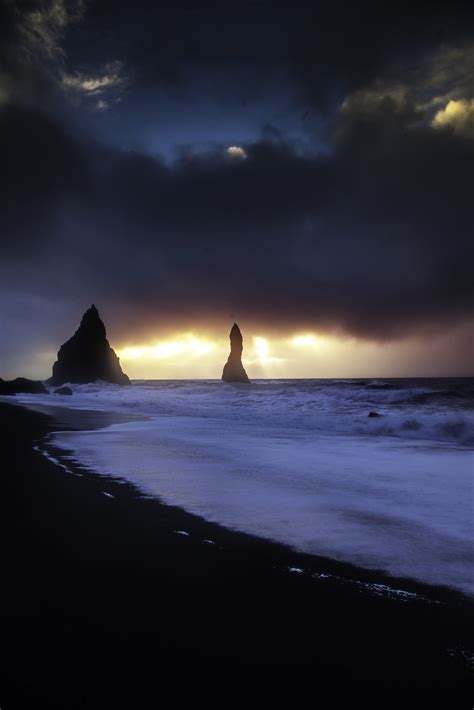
[102, 599]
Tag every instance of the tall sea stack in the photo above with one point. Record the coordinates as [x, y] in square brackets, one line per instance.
[87, 356]
[233, 369]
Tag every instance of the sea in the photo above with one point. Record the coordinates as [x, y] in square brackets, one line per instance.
[375, 472]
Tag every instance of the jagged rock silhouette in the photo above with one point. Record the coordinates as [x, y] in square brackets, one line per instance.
[233, 369]
[87, 356]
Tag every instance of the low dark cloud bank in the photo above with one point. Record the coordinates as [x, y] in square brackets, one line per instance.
[365, 227]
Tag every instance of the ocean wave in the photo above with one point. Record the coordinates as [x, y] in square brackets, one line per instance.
[443, 427]
[416, 411]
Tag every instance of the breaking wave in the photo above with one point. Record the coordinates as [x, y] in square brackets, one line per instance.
[435, 410]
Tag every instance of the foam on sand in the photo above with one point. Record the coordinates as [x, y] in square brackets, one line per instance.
[302, 463]
[376, 503]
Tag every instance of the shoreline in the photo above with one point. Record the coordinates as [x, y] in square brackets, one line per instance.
[372, 580]
[230, 598]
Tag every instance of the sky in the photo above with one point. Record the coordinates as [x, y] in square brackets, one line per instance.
[304, 169]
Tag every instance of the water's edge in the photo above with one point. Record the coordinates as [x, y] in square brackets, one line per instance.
[320, 568]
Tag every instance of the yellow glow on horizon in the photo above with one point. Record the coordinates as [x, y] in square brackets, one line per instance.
[133, 353]
[311, 341]
[188, 354]
[262, 349]
[305, 341]
[186, 344]
[204, 356]
[301, 354]
[166, 350]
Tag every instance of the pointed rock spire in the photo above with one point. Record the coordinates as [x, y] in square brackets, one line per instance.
[87, 356]
[233, 369]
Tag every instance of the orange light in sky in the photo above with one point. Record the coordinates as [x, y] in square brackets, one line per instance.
[261, 347]
[186, 345]
[187, 355]
[270, 355]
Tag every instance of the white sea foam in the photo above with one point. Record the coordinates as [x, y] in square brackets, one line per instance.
[301, 463]
[341, 407]
[54, 460]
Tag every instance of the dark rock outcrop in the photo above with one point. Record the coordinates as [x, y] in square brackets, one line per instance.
[63, 390]
[87, 356]
[233, 369]
[373, 415]
[22, 385]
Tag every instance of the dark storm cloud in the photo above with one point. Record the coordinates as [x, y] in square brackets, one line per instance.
[375, 238]
[328, 49]
[42, 169]
[32, 57]
[373, 235]
[337, 47]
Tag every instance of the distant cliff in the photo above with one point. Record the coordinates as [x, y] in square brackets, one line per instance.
[87, 356]
[233, 369]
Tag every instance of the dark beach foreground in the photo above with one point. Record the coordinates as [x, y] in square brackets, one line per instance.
[103, 599]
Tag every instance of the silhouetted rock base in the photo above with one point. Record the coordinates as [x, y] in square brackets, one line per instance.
[234, 372]
[22, 385]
